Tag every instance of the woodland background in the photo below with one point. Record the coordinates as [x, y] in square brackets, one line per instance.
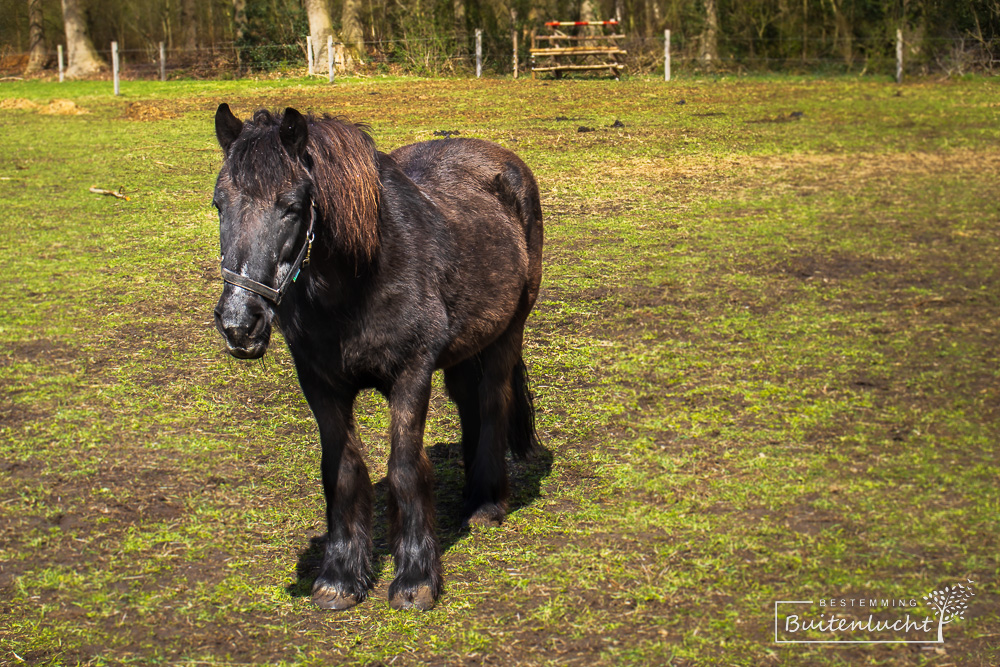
[232, 37]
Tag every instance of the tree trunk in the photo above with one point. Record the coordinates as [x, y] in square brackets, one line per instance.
[189, 25]
[654, 18]
[320, 27]
[343, 61]
[843, 32]
[458, 7]
[239, 20]
[82, 58]
[709, 49]
[805, 30]
[589, 12]
[38, 55]
[350, 26]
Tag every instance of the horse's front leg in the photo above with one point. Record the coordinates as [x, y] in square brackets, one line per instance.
[411, 496]
[345, 575]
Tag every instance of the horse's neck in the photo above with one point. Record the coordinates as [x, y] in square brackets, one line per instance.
[334, 282]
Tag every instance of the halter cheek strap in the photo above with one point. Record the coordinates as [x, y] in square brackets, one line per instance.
[269, 293]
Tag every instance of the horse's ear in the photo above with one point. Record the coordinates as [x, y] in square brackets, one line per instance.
[227, 127]
[294, 132]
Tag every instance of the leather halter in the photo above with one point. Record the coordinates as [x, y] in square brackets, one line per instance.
[269, 293]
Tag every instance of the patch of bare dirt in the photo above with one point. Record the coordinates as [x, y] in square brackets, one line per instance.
[684, 178]
[839, 266]
[780, 118]
[38, 350]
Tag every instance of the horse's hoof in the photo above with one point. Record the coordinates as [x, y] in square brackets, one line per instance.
[328, 597]
[488, 516]
[422, 598]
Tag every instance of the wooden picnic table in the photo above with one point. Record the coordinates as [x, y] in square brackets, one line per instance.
[568, 53]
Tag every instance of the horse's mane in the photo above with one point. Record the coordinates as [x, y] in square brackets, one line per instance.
[344, 172]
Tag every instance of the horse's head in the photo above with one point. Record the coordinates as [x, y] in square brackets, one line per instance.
[265, 202]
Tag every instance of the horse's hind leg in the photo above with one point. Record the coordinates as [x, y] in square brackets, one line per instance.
[462, 382]
[502, 418]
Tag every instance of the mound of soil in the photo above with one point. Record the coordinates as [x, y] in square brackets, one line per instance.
[60, 107]
[17, 103]
[146, 111]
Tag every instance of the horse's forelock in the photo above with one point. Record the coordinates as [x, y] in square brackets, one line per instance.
[257, 163]
[345, 173]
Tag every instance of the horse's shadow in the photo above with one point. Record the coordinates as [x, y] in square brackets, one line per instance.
[449, 477]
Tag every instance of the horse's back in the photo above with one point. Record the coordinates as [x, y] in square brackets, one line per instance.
[451, 171]
[485, 191]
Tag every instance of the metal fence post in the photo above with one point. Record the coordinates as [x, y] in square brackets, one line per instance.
[666, 55]
[479, 52]
[114, 66]
[899, 55]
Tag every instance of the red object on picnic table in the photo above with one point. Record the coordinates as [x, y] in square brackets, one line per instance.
[552, 24]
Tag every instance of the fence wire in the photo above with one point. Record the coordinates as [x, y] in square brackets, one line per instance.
[454, 54]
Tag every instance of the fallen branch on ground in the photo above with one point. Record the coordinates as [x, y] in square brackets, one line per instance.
[101, 191]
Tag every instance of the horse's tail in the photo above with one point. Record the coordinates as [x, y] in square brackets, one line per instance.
[522, 437]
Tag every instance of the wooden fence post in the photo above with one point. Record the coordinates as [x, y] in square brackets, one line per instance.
[309, 53]
[114, 66]
[163, 62]
[516, 66]
[666, 55]
[513, 37]
[329, 56]
[60, 53]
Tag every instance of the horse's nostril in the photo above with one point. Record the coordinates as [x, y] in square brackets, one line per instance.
[257, 326]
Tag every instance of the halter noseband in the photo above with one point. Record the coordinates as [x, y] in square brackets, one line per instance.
[269, 293]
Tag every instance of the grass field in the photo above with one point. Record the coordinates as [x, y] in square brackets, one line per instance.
[765, 359]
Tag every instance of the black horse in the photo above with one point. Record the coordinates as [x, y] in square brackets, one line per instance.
[378, 269]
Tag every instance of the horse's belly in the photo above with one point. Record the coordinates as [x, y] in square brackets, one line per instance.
[477, 327]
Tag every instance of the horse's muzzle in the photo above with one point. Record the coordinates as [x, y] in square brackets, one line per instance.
[246, 326]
